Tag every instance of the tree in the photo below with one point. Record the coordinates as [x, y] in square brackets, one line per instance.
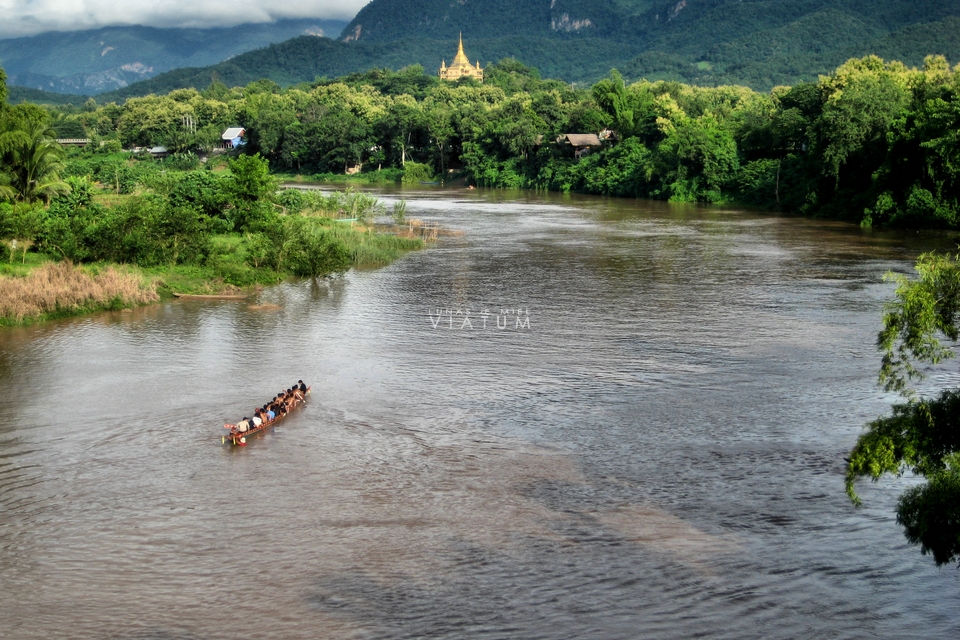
[250, 179]
[630, 108]
[249, 190]
[32, 161]
[397, 127]
[313, 249]
[3, 87]
[923, 434]
[438, 125]
[919, 182]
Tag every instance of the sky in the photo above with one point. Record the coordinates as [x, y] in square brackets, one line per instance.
[29, 17]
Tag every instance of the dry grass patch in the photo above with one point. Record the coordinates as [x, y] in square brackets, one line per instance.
[63, 289]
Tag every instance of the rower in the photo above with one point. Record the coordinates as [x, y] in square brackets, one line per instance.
[257, 420]
[303, 387]
[243, 425]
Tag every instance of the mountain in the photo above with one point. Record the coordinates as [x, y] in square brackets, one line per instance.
[93, 61]
[16, 95]
[305, 59]
[687, 25]
[758, 43]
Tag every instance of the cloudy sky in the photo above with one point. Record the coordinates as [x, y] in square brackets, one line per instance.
[27, 17]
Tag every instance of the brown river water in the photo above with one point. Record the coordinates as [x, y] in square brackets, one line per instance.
[581, 418]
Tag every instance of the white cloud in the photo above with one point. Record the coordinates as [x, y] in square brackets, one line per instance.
[28, 17]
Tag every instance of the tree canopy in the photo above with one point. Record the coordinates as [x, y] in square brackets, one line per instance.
[874, 142]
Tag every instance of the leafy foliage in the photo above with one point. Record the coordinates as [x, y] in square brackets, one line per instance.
[922, 435]
[873, 142]
[31, 161]
[924, 309]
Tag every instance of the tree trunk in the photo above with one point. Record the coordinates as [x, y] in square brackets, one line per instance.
[776, 191]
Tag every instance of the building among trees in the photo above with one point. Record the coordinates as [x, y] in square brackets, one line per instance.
[461, 67]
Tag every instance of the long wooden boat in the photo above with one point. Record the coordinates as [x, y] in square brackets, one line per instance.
[213, 296]
[239, 439]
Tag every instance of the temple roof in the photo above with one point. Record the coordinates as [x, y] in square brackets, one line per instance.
[461, 67]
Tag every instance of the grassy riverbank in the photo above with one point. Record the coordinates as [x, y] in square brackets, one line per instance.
[41, 288]
[60, 289]
[178, 227]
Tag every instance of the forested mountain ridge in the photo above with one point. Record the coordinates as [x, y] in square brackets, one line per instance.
[92, 61]
[696, 24]
[759, 43]
[756, 43]
[305, 59]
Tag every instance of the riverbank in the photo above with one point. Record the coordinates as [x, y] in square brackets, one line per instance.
[41, 288]
[60, 289]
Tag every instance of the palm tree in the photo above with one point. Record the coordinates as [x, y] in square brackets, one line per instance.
[30, 164]
[6, 191]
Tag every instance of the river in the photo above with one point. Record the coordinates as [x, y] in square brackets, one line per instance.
[576, 417]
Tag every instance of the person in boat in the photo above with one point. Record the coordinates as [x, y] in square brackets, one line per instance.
[256, 420]
[243, 425]
[271, 414]
[303, 387]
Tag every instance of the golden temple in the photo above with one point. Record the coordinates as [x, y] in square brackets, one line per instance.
[461, 67]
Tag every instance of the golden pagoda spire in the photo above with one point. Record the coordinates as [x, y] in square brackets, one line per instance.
[461, 60]
[460, 67]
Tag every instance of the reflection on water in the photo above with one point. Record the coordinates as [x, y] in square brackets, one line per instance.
[658, 455]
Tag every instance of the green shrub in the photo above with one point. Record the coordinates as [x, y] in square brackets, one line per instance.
[415, 173]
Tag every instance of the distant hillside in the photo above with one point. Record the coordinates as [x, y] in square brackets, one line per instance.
[36, 96]
[758, 43]
[799, 51]
[89, 62]
[305, 59]
[685, 26]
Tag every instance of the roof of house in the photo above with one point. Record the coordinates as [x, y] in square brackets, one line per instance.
[232, 132]
[582, 139]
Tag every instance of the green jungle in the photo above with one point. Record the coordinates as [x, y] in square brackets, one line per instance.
[873, 143]
[132, 229]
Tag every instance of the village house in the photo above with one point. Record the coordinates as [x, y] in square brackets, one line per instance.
[233, 137]
[582, 143]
